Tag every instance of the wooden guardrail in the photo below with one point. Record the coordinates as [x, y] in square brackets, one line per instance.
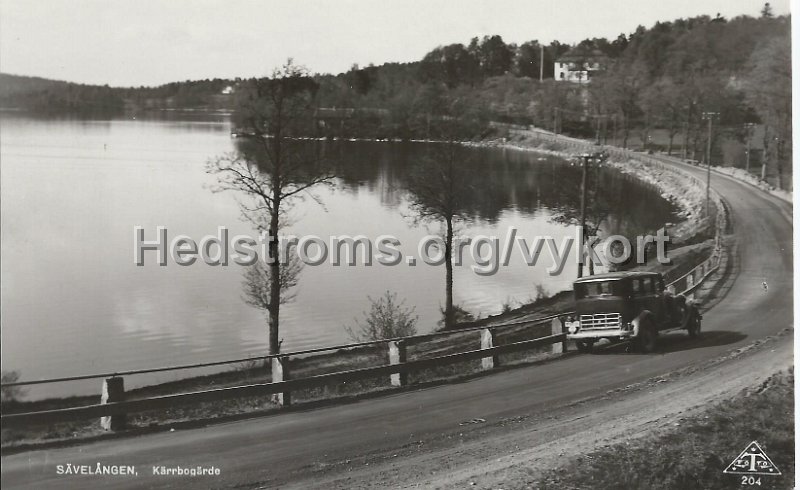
[169, 401]
[283, 386]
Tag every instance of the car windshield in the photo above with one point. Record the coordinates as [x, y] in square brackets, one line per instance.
[601, 288]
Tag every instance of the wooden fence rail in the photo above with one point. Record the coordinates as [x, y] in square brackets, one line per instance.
[170, 401]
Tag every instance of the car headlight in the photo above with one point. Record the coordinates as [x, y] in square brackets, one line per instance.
[573, 327]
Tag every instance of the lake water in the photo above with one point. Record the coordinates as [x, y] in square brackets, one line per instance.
[73, 302]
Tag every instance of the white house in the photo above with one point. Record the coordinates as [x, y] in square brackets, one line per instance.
[579, 65]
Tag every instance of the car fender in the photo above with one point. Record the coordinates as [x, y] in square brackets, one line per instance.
[637, 322]
[692, 305]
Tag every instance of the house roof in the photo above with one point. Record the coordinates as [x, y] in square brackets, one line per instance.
[581, 54]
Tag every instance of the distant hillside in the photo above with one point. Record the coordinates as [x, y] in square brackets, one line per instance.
[667, 78]
[14, 85]
[52, 96]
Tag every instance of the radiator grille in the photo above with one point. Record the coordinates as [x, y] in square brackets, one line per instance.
[600, 321]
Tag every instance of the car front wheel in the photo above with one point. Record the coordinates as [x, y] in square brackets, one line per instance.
[647, 339]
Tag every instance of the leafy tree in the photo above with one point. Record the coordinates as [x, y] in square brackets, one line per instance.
[452, 64]
[528, 60]
[387, 319]
[555, 101]
[620, 88]
[494, 56]
[769, 92]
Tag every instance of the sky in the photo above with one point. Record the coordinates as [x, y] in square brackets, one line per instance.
[149, 42]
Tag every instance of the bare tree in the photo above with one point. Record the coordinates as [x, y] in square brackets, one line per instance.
[272, 168]
[596, 206]
[439, 192]
[257, 284]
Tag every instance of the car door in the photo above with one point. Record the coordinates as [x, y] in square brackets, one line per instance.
[652, 298]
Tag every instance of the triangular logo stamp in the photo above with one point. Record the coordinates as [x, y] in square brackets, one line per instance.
[752, 461]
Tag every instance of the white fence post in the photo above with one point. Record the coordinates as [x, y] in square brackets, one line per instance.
[557, 327]
[280, 372]
[397, 355]
[113, 391]
[487, 342]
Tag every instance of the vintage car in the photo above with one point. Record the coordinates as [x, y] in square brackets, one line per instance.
[628, 306]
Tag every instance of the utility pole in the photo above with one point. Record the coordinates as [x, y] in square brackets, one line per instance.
[710, 117]
[765, 154]
[541, 63]
[585, 163]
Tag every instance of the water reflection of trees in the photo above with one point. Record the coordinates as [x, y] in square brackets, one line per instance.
[508, 180]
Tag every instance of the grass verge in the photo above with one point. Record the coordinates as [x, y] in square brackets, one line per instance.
[694, 453]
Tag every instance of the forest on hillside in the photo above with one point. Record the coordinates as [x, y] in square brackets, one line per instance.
[668, 79]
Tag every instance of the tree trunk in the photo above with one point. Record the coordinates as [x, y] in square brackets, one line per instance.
[583, 212]
[449, 313]
[275, 263]
[625, 136]
[766, 155]
[672, 133]
[275, 284]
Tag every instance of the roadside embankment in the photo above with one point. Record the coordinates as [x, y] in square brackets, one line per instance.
[744, 176]
[688, 197]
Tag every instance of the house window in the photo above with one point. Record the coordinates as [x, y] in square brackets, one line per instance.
[561, 75]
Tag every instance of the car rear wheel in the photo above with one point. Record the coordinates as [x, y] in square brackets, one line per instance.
[694, 326]
[647, 339]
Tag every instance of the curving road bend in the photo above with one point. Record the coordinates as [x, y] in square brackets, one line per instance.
[275, 450]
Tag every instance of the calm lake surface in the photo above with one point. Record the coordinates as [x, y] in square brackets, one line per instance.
[73, 302]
